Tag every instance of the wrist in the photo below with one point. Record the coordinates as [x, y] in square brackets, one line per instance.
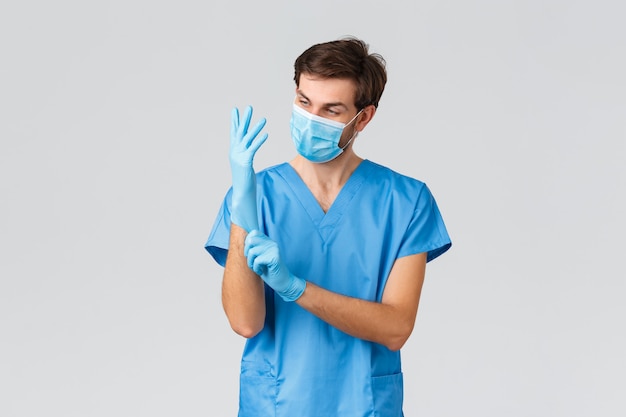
[295, 289]
[243, 179]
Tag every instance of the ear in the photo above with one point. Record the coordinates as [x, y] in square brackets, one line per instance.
[365, 117]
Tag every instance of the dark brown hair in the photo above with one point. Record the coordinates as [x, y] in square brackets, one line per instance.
[346, 58]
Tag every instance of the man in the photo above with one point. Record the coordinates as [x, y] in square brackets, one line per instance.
[324, 256]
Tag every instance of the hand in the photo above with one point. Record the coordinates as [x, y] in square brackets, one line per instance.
[243, 147]
[264, 259]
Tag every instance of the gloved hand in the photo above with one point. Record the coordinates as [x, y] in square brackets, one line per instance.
[243, 146]
[264, 259]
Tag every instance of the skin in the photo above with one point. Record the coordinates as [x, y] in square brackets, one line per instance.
[389, 322]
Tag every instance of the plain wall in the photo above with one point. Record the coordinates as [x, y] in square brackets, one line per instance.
[113, 163]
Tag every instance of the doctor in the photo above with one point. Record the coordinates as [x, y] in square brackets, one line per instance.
[324, 255]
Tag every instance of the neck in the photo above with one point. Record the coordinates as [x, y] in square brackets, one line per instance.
[329, 175]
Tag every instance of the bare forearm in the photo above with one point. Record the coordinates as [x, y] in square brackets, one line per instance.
[243, 295]
[377, 322]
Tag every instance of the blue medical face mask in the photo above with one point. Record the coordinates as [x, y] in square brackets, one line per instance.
[317, 138]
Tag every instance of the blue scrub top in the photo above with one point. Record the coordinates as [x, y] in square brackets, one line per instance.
[299, 365]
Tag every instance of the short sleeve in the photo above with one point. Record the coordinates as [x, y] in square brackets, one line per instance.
[217, 243]
[426, 231]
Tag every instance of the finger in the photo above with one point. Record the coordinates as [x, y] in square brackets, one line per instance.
[255, 248]
[256, 260]
[248, 244]
[257, 142]
[264, 258]
[255, 243]
[256, 267]
[250, 260]
[256, 235]
[250, 240]
[251, 252]
[247, 116]
[259, 269]
[254, 132]
[234, 122]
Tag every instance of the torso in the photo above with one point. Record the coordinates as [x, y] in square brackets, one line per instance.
[325, 182]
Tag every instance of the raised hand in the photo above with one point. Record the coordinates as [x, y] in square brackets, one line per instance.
[243, 146]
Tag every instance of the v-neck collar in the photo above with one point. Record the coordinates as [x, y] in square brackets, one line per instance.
[325, 222]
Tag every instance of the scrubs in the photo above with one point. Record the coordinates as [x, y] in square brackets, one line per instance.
[299, 365]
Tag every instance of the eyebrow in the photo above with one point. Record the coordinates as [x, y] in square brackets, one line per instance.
[326, 105]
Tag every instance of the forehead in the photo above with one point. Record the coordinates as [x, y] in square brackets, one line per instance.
[327, 90]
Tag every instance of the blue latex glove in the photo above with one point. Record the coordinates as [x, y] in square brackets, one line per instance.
[264, 259]
[243, 146]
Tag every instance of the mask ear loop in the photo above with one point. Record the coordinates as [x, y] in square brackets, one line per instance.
[355, 116]
[350, 141]
[355, 131]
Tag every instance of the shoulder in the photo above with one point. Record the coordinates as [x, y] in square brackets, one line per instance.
[270, 174]
[388, 177]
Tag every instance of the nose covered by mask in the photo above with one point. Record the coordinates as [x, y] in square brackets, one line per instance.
[317, 138]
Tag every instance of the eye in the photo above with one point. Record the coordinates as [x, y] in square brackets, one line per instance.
[304, 102]
[332, 112]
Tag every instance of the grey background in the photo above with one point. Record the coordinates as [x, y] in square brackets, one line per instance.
[113, 163]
